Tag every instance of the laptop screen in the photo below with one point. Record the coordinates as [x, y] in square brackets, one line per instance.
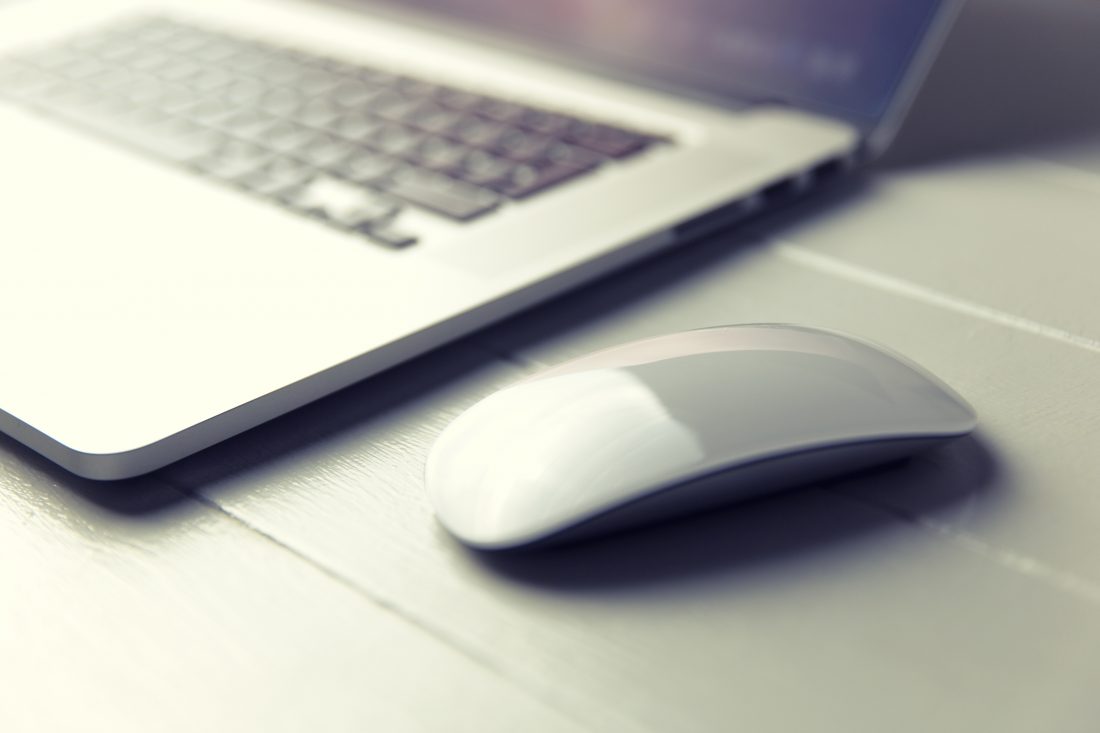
[841, 56]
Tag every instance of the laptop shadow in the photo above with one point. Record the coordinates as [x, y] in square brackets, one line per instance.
[140, 497]
[1011, 76]
[155, 496]
[789, 531]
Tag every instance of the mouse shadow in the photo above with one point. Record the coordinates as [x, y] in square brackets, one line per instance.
[764, 534]
[1012, 75]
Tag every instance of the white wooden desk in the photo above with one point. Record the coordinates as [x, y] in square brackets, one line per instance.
[294, 579]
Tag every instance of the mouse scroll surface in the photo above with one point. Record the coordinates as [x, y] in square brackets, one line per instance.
[609, 430]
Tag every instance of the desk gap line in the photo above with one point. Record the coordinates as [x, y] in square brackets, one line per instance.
[896, 286]
[1015, 562]
[388, 606]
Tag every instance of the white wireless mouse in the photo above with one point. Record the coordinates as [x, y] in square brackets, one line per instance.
[676, 424]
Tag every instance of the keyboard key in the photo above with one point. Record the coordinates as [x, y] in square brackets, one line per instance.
[365, 166]
[251, 125]
[337, 141]
[336, 66]
[528, 180]
[441, 194]
[151, 60]
[606, 140]
[500, 110]
[232, 160]
[478, 133]
[352, 94]
[375, 77]
[319, 113]
[435, 119]
[287, 136]
[216, 52]
[242, 91]
[395, 140]
[113, 78]
[282, 101]
[313, 82]
[413, 88]
[551, 124]
[570, 156]
[180, 70]
[355, 127]
[212, 113]
[208, 80]
[166, 97]
[183, 40]
[277, 177]
[387, 235]
[483, 169]
[179, 141]
[341, 202]
[458, 99]
[404, 110]
[325, 151]
[253, 62]
[439, 154]
[277, 70]
[523, 146]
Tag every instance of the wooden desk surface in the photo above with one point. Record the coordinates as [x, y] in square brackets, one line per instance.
[294, 579]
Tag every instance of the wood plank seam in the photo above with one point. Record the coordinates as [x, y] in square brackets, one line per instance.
[895, 286]
[473, 655]
[1060, 580]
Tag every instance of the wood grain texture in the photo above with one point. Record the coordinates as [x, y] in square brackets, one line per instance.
[1003, 235]
[922, 591]
[1036, 394]
[129, 607]
[293, 578]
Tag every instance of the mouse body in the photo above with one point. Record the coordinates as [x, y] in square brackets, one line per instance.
[676, 424]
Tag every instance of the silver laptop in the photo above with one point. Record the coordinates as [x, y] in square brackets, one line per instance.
[215, 212]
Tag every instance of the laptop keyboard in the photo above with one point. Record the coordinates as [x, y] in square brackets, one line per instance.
[346, 144]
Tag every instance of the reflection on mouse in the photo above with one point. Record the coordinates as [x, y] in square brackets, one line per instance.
[679, 423]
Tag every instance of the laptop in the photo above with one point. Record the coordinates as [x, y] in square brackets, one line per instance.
[216, 212]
